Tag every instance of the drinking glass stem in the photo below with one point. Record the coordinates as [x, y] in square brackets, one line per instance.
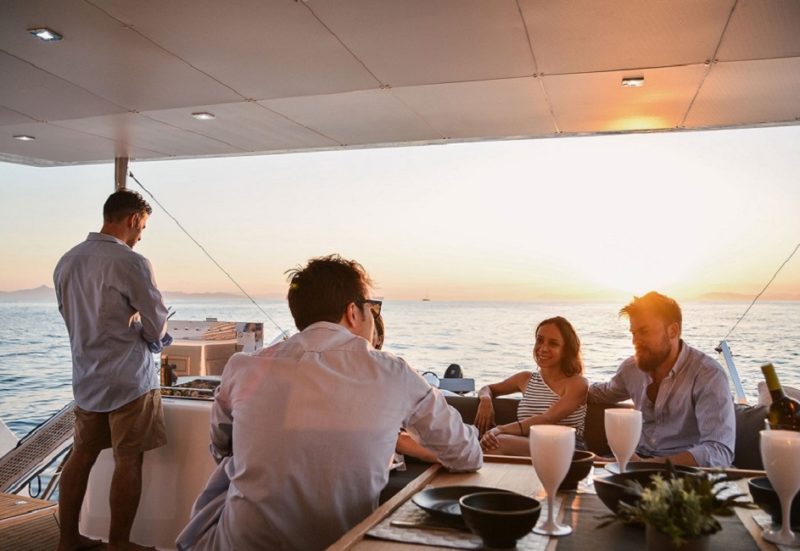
[786, 525]
[549, 509]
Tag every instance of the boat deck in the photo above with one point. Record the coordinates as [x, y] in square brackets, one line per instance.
[27, 524]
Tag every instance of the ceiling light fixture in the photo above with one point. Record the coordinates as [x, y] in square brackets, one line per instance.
[204, 116]
[24, 138]
[45, 34]
[633, 82]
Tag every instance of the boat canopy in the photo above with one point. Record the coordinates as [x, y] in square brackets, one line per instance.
[153, 80]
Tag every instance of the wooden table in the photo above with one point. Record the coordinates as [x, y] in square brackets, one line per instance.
[511, 473]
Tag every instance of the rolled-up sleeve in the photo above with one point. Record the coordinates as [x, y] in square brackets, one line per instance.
[716, 422]
[221, 424]
[612, 391]
[146, 299]
[442, 431]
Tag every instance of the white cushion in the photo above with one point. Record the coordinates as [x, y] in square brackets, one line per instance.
[765, 399]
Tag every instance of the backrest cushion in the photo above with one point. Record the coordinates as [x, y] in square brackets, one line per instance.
[749, 421]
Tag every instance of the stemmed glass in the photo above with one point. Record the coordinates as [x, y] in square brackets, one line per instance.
[623, 430]
[552, 447]
[780, 452]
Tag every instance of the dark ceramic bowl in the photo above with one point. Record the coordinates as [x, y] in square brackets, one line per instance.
[613, 490]
[766, 498]
[581, 466]
[500, 518]
[613, 468]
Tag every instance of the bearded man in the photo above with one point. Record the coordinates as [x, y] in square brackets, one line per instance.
[687, 408]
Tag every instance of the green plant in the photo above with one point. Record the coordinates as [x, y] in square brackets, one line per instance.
[681, 507]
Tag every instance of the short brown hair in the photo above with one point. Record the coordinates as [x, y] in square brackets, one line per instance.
[123, 203]
[664, 308]
[571, 361]
[322, 289]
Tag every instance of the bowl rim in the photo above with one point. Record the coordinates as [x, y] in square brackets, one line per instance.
[591, 455]
[537, 506]
[758, 481]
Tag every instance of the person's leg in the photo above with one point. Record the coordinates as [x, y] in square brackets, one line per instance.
[126, 490]
[92, 435]
[74, 478]
[513, 445]
[136, 427]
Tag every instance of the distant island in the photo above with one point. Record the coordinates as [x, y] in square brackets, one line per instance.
[736, 297]
[43, 293]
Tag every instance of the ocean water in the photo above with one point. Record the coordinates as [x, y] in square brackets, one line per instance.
[489, 340]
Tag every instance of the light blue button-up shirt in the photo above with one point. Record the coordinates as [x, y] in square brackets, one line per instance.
[693, 410]
[112, 308]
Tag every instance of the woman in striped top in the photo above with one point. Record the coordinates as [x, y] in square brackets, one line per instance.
[555, 394]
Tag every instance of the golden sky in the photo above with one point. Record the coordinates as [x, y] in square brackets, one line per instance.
[593, 217]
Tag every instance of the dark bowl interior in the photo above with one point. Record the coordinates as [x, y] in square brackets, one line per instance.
[612, 490]
[500, 518]
[580, 467]
[766, 498]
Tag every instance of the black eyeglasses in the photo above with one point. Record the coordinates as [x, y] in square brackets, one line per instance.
[374, 306]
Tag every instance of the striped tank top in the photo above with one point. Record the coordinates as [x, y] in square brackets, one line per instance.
[538, 397]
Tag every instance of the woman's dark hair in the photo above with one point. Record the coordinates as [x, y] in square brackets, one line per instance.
[571, 362]
[322, 290]
[379, 331]
[123, 203]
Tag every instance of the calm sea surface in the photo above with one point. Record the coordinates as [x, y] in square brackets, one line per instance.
[489, 340]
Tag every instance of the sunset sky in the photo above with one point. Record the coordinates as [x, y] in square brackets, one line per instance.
[592, 217]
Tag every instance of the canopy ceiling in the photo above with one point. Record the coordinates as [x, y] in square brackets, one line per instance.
[284, 75]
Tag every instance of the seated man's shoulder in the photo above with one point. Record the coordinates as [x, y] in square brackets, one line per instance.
[703, 361]
[389, 360]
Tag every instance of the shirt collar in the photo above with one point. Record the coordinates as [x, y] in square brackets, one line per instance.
[327, 325]
[97, 236]
[680, 362]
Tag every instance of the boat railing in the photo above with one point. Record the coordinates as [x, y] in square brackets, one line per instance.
[36, 451]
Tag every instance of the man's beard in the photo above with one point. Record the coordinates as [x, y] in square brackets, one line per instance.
[649, 359]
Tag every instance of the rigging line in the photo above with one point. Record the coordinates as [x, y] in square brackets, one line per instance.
[762, 291]
[217, 264]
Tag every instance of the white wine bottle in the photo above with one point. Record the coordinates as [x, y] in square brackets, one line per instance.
[784, 412]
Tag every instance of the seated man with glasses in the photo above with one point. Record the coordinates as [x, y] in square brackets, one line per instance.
[304, 431]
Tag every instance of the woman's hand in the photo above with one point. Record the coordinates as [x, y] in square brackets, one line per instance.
[490, 440]
[484, 418]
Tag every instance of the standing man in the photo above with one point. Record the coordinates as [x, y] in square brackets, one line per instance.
[116, 319]
[304, 431]
[683, 394]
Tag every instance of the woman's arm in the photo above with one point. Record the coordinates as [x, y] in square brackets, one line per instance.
[574, 396]
[484, 418]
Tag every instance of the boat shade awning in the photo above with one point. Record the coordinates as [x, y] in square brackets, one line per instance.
[279, 75]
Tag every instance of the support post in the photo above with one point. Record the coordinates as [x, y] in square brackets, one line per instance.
[120, 173]
[725, 350]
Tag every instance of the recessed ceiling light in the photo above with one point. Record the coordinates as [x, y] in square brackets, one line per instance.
[24, 138]
[43, 33]
[204, 116]
[633, 82]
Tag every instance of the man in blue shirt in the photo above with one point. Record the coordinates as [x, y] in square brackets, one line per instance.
[116, 318]
[687, 409]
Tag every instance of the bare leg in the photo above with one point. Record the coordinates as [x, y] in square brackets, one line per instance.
[74, 478]
[126, 490]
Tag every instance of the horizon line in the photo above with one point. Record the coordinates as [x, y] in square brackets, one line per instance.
[711, 296]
